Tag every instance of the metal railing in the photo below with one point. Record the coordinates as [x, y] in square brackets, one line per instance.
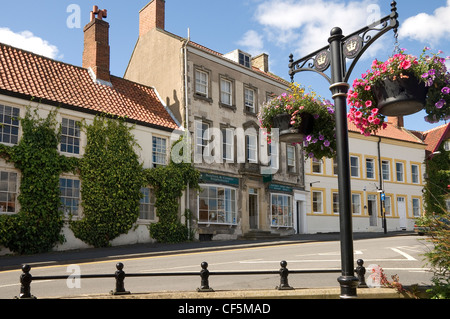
[26, 278]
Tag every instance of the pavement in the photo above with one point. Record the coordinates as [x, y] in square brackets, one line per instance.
[14, 262]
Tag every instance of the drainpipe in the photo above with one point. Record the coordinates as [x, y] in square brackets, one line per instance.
[186, 124]
[381, 189]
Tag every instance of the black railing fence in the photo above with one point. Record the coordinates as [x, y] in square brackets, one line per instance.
[26, 278]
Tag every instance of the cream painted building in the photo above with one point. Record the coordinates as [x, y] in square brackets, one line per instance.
[217, 97]
[388, 165]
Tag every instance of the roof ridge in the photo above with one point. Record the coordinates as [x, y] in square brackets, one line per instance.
[436, 128]
[40, 55]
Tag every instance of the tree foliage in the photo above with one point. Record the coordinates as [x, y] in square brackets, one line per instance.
[436, 221]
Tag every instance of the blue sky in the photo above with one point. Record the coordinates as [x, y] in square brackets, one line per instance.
[277, 27]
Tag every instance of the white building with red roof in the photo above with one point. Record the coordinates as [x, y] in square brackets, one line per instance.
[79, 94]
[386, 172]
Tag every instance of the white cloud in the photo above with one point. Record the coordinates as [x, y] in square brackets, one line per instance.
[26, 40]
[306, 24]
[252, 42]
[427, 28]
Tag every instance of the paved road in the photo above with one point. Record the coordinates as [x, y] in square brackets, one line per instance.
[396, 254]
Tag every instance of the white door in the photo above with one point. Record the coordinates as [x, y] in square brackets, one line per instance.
[401, 208]
[372, 209]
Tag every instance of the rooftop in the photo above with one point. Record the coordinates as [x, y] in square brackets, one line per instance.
[30, 76]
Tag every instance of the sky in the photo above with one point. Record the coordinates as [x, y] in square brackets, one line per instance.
[54, 28]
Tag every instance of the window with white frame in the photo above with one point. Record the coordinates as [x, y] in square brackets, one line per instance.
[317, 166]
[228, 144]
[356, 204]
[335, 166]
[290, 154]
[244, 59]
[201, 83]
[281, 210]
[354, 166]
[226, 91]
[201, 137]
[386, 170]
[370, 168]
[416, 207]
[252, 148]
[69, 189]
[8, 192]
[70, 136]
[159, 151]
[147, 204]
[335, 203]
[447, 145]
[415, 173]
[9, 124]
[399, 170]
[217, 205]
[317, 201]
[249, 100]
[273, 155]
[387, 206]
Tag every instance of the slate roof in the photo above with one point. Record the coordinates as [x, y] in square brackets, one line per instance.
[25, 75]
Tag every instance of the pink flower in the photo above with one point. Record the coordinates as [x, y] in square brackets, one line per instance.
[367, 88]
[405, 64]
[358, 114]
[368, 103]
[375, 111]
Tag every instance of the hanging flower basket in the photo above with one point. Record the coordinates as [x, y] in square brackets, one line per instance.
[402, 85]
[301, 118]
[403, 96]
[291, 133]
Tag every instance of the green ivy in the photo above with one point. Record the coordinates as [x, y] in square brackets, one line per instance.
[111, 177]
[169, 182]
[438, 179]
[37, 226]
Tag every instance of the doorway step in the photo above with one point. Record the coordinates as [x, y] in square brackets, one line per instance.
[259, 234]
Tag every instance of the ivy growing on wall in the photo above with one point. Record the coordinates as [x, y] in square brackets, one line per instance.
[111, 177]
[169, 182]
[37, 226]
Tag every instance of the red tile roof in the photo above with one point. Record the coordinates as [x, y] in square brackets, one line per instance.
[434, 137]
[392, 132]
[25, 75]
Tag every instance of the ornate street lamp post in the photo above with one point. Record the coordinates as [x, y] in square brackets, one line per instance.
[335, 54]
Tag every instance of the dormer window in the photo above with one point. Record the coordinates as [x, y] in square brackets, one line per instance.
[244, 59]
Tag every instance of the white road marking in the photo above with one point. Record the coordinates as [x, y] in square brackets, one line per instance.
[408, 257]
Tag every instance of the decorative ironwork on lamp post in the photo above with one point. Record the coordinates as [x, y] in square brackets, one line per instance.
[335, 55]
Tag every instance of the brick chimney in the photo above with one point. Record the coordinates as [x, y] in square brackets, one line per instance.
[96, 54]
[152, 16]
[397, 121]
[261, 62]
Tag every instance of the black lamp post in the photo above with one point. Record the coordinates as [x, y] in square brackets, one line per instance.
[335, 54]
